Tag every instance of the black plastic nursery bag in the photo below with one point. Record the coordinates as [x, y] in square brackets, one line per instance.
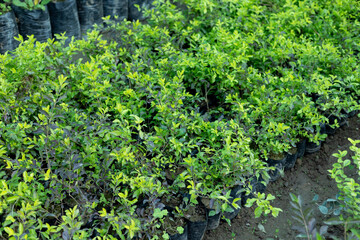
[64, 18]
[196, 230]
[118, 8]
[90, 13]
[182, 236]
[8, 30]
[33, 22]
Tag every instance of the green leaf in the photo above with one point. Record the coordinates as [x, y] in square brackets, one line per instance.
[165, 236]
[47, 175]
[158, 213]
[334, 221]
[315, 198]
[258, 211]
[10, 218]
[250, 202]
[19, 3]
[308, 212]
[295, 205]
[180, 230]
[21, 228]
[212, 213]
[270, 197]
[324, 210]
[12, 199]
[9, 231]
[346, 163]
[302, 235]
[298, 218]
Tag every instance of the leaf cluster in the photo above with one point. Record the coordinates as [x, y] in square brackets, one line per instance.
[29, 4]
[94, 136]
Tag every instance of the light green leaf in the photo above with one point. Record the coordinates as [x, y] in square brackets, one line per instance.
[159, 213]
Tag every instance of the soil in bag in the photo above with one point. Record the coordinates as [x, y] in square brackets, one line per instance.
[119, 8]
[172, 201]
[33, 22]
[278, 162]
[312, 147]
[90, 12]
[64, 18]
[8, 30]
[171, 225]
[172, 221]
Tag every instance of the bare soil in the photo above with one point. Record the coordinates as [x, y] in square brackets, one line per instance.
[309, 177]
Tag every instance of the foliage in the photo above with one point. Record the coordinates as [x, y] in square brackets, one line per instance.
[349, 188]
[263, 205]
[29, 4]
[4, 7]
[95, 135]
[331, 206]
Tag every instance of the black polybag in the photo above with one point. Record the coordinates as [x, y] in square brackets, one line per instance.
[33, 22]
[64, 18]
[118, 8]
[8, 30]
[90, 13]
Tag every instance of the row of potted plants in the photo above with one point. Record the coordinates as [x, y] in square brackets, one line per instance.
[165, 122]
[46, 18]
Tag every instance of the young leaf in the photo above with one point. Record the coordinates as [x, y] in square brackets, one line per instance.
[47, 175]
[324, 210]
[334, 221]
[315, 198]
[308, 212]
[212, 213]
[311, 224]
[180, 230]
[323, 230]
[158, 213]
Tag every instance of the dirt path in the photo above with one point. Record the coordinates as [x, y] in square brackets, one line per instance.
[309, 177]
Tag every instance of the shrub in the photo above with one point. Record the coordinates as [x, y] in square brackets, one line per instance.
[95, 135]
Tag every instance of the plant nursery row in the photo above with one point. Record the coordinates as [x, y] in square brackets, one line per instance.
[158, 130]
[46, 18]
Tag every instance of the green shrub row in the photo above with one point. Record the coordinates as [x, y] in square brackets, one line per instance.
[97, 135]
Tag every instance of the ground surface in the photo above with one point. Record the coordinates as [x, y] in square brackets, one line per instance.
[308, 178]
